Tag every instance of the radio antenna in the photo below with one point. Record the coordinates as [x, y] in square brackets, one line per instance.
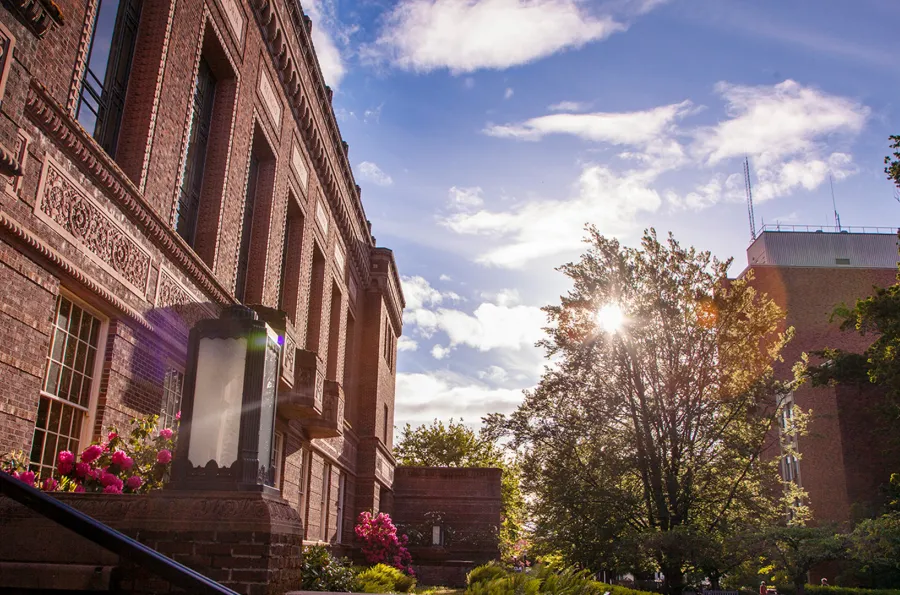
[749, 198]
[837, 218]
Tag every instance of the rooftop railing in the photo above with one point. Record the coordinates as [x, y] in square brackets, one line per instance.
[828, 228]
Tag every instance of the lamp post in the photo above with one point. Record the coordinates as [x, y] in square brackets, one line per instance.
[228, 406]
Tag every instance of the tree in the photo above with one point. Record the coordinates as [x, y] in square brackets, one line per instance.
[795, 550]
[457, 445]
[659, 426]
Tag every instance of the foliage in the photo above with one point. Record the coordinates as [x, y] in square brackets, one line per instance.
[133, 464]
[542, 579]
[484, 573]
[892, 162]
[380, 542]
[833, 590]
[656, 428]
[382, 578]
[320, 571]
[457, 445]
[794, 551]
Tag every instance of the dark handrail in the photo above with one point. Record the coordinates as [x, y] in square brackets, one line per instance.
[108, 538]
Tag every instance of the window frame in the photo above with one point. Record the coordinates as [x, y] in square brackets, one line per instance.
[163, 418]
[325, 511]
[87, 427]
[278, 439]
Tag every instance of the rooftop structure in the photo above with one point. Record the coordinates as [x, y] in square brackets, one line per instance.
[808, 246]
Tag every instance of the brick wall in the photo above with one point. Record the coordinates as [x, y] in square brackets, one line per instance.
[839, 468]
[147, 283]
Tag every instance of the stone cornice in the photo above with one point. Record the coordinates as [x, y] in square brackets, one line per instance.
[289, 72]
[94, 162]
[386, 280]
[32, 242]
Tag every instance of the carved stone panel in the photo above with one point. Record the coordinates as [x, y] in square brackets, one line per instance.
[174, 297]
[322, 217]
[20, 153]
[68, 208]
[299, 166]
[270, 99]
[235, 18]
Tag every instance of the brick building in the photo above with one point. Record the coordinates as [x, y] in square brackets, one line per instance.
[162, 160]
[845, 457]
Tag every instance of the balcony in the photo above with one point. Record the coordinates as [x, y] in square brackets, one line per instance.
[306, 398]
[331, 422]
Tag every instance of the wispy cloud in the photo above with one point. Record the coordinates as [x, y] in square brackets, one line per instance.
[508, 93]
[371, 172]
[569, 106]
[463, 36]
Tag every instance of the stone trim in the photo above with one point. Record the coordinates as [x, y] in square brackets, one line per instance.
[151, 133]
[274, 34]
[7, 46]
[94, 162]
[14, 184]
[36, 16]
[36, 245]
[71, 211]
[84, 44]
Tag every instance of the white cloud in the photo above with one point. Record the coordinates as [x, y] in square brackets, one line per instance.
[616, 128]
[445, 278]
[468, 35]
[504, 297]
[775, 122]
[326, 34]
[374, 114]
[494, 374]
[419, 293]
[423, 397]
[407, 344]
[500, 325]
[508, 93]
[370, 171]
[569, 106]
[440, 352]
[465, 198]
[541, 228]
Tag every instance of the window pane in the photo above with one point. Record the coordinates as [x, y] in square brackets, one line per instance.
[52, 384]
[59, 343]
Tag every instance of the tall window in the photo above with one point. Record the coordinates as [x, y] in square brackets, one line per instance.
[102, 98]
[68, 384]
[326, 497]
[278, 457]
[290, 260]
[385, 424]
[240, 284]
[192, 178]
[316, 289]
[173, 383]
[340, 508]
[334, 334]
[304, 485]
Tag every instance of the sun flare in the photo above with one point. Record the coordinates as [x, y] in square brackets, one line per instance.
[610, 318]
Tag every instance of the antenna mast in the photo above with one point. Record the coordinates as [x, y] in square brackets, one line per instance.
[749, 198]
[837, 218]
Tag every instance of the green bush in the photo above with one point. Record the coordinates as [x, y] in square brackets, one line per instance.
[485, 572]
[829, 590]
[382, 578]
[518, 583]
[323, 572]
[492, 579]
[617, 590]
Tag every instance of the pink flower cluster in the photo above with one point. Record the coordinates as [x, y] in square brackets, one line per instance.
[380, 542]
[129, 464]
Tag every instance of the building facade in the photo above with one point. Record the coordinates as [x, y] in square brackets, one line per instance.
[845, 456]
[162, 160]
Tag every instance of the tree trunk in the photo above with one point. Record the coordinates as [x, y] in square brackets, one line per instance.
[800, 587]
[673, 583]
[714, 579]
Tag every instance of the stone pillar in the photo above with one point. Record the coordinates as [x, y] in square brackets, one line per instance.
[249, 542]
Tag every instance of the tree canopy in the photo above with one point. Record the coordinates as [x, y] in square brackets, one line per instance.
[657, 428]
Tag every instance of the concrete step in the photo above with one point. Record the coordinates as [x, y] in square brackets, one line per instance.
[27, 576]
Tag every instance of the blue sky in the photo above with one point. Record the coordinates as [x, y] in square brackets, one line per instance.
[486, 133]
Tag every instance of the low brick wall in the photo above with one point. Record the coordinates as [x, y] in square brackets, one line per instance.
[465, 503]
[248, 542]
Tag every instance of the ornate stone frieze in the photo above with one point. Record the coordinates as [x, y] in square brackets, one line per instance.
[38, 15]
[173, 296]
[62, 129]
[69, 209]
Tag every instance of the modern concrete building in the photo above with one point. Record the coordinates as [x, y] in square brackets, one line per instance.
[809, 271]
[162, 160]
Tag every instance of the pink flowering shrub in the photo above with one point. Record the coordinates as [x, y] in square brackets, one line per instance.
[131, 464]
[380, 542]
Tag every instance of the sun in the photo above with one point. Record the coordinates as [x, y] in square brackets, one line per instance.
[610, 318]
